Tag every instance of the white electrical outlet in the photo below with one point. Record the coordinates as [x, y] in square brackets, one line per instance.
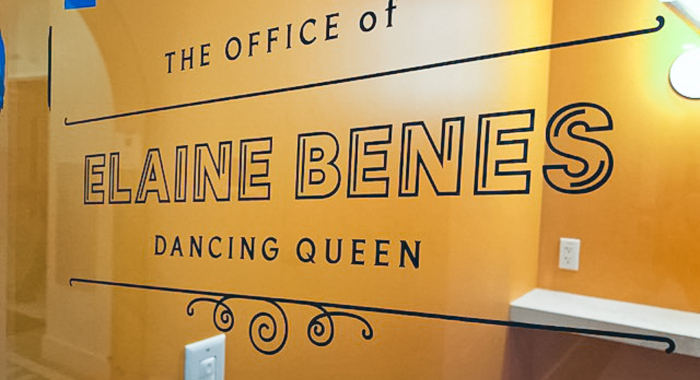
[204, 360]
[569, 251]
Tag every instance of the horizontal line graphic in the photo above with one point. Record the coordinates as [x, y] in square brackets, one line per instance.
[224, 318]
[364, 77]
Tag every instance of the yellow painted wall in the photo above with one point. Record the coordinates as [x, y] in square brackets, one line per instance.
[478, 252]
[474, 260]
[639, 232]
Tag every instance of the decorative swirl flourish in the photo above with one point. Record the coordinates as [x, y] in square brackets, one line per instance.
[316, 329]
[223, 317]
[265, 329]
[268, 331]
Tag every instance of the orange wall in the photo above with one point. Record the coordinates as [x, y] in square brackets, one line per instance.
[478, 253]
[639, 232]
[551, 356]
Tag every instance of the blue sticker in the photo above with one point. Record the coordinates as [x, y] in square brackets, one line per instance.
[2, 72]
[77, 4]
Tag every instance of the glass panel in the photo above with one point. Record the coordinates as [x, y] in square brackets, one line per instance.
[349, 189]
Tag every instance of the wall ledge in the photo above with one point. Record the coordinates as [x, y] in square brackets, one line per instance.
[550, 307]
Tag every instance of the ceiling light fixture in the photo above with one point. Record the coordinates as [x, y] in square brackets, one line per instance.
[685, 74]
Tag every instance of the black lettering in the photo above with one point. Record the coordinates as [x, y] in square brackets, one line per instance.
[317, 175]
[357, 251]
[196, 246]
[160, 240]
[117, 195]
[233, 57]
[248, 248]
[211, 250]
[181, 154]
[442, 166]
[187, 58]
[310, 254]
[153, 178]
[252, 43]
[204, 61]
[271, 38]
[363, 21]
[390, 13]
[302, 34]
[169, 56]
[328, 251]
[211, 174]
[330, 25]
[94, 179]
[412, 254]
[381, 252]
[367, 172]
[271, 253]
[254, 170]
[289, 36]
[570, 128]
[177, 247]
[491, 174]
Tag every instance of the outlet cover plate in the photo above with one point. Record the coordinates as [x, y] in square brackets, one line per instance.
[569, 253]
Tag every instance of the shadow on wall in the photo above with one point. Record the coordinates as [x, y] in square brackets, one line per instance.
[543, 355]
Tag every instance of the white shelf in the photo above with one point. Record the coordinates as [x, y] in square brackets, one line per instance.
[571, 310]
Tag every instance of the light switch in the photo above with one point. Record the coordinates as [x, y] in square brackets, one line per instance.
[207, 369]
[204, 360]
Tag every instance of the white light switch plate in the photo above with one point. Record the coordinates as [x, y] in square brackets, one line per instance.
[204, 360]
[569, 252]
